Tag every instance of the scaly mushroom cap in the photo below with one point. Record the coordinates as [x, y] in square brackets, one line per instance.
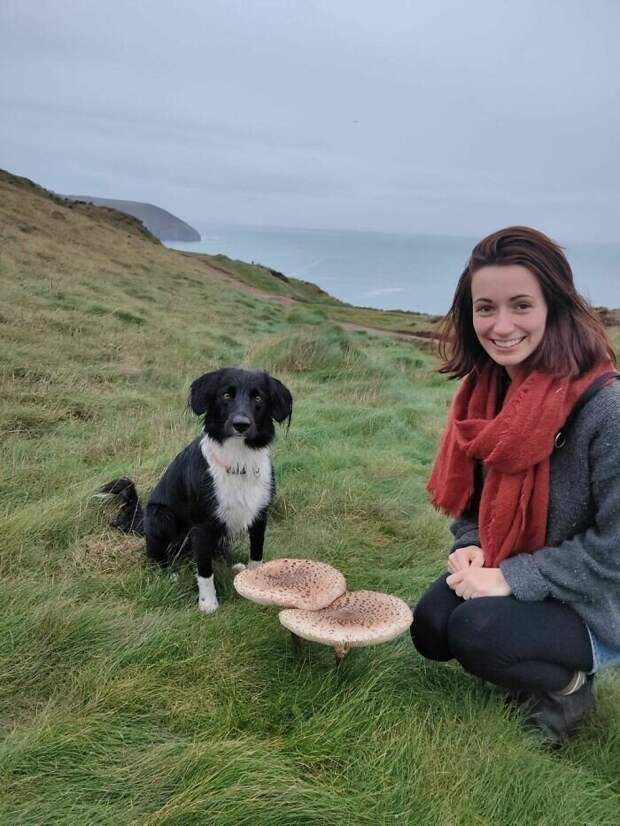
[355, 619]
[291, 583]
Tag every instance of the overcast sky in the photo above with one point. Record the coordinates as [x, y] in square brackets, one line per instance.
[440, 116]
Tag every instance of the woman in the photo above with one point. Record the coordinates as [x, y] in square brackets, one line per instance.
[531, 601]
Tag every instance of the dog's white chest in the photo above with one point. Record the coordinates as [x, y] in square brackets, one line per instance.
[241, 478]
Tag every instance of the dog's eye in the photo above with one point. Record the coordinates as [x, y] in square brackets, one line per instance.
[226, 396]
[258, 398]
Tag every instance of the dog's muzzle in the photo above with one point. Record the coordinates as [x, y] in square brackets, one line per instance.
[241, 425]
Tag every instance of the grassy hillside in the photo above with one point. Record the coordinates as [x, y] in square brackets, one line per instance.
[120, 702]
[163, 224]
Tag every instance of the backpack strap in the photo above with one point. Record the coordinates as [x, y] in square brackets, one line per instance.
[588, 393]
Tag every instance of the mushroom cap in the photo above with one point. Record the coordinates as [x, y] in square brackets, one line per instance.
[291, 583]
[355, 619]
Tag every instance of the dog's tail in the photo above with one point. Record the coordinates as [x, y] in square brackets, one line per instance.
[130, 518]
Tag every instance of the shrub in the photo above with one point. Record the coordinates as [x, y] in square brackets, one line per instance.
[325, 349]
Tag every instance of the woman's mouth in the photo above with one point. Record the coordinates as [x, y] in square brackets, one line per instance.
[507, 343]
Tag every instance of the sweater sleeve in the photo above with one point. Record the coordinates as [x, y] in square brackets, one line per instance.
[465, 531]
[580, 568]
[585, 566]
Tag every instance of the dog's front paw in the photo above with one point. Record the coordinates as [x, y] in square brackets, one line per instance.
[207, 598]
[208, 606]
[237, 567]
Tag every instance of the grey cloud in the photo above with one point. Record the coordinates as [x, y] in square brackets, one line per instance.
[442, 117]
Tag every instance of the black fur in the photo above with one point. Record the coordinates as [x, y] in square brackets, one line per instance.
[181, 510]
[130, 518]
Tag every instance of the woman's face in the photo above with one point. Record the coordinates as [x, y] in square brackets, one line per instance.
[509, 313]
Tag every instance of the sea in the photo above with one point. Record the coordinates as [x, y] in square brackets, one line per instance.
[389, 271]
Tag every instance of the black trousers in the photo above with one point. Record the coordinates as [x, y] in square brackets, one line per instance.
[517, 645]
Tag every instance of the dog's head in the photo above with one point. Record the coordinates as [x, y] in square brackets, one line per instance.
[242, 404]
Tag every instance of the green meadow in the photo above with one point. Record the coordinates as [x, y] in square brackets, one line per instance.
[120, 702]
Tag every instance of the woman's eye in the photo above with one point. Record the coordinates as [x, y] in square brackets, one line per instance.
[523, 306]
[483, 310]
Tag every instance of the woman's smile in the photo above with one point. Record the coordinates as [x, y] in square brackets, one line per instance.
[509, 313]
[508, 344]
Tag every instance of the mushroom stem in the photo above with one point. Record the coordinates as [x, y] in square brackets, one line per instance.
[341, 649]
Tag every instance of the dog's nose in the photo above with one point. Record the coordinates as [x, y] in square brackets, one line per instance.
[241, 424]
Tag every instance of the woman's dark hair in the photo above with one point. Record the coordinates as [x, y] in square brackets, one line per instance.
[574, 339]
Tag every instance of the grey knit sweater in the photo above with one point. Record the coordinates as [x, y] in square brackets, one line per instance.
[580, 563]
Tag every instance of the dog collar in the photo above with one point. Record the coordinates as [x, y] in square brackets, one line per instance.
[231, 470]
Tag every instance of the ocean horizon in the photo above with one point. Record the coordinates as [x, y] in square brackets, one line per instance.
[389, 271]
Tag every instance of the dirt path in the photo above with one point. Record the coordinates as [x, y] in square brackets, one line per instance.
[286, 301]
[232, 279]
[377, 331]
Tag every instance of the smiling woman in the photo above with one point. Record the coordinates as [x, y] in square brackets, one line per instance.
[537, 518]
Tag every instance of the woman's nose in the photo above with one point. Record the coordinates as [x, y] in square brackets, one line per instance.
[503, 323]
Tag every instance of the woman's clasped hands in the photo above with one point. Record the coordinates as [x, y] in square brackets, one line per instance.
[469, 579]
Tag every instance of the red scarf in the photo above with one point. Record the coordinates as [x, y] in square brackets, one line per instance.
[515, 446]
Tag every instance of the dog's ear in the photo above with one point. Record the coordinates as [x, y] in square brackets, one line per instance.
[281, 400]
[201, 391]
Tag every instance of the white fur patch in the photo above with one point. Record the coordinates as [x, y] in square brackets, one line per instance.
[207, 598]
[252, 563]
[242, 480]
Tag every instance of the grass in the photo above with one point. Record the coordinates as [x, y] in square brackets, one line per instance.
[120, 703]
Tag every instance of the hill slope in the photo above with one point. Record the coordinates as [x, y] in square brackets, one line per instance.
[163, 224]
[120, 703]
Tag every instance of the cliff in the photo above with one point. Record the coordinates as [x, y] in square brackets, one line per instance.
[163, 224]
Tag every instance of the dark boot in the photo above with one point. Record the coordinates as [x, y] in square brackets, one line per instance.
[519, 697]
[557, 716]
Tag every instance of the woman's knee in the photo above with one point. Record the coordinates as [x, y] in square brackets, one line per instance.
[430, 623]
[472, 634]
[427, 636]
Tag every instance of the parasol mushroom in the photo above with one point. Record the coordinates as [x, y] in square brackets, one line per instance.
[353, 620]
[291, 583]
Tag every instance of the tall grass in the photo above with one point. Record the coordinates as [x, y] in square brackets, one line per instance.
[120, 703]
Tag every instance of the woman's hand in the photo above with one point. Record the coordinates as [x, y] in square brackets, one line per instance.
[474, 581]
[463, 558]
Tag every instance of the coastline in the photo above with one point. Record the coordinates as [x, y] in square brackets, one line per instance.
[389, 271]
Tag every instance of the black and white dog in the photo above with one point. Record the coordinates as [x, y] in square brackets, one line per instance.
[220, 484]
